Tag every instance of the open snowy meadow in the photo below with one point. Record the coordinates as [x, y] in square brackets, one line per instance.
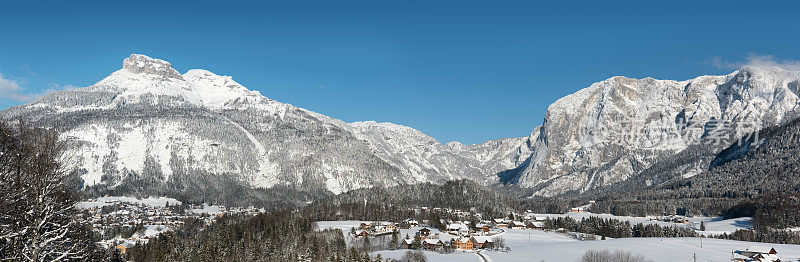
[540, 245]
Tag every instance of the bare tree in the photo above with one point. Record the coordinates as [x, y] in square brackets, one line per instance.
[499, 242]
[414, 256]
[608, 256]
[37, 208]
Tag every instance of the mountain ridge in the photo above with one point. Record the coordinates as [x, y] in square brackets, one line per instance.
[619, 127]
[148, 124]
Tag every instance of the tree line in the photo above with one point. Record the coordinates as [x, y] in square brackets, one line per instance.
[615, 228]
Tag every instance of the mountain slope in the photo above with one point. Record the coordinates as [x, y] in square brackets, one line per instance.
[423, 158]
[459, 194]
[752, 172]
[621, 127]
[147, 128]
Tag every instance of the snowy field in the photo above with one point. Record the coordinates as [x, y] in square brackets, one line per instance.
[154, 230]
[547, 246]
[432, 256]
[343, 225]
[539, 245]
[107, 201]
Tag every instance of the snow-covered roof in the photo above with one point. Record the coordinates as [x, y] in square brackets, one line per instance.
[537, 224]
[770, 258]
[432, 241]
[760, 249]
[483, 239]
[457, 226]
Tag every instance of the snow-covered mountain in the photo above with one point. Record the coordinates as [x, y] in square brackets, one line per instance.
[619, 127]
[146, 125]
[426, 160]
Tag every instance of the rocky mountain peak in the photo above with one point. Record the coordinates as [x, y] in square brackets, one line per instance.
[142, 64]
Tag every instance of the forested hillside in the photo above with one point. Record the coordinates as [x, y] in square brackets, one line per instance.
[459, 194]
[273, 236]
[762, 170]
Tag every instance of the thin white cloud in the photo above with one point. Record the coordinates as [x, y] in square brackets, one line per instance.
[755, 59]
[12, 89]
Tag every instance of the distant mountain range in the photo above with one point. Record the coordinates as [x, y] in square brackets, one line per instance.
[148, 129]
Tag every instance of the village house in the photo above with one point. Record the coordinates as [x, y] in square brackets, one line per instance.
[360, 233]
[500, 222]
[411, 222]
[757, 254]
[577, 210]
[123, 248]
[432, 244]
[424, 232]
[483, 227]
[365, 226]
[384, 228]
[408, 243]
[458, 228]
[463, 243]
[515, 225]
[534, 225]
[483, 241]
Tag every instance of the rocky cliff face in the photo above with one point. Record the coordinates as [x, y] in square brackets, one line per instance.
[146, 125]
[619, 127]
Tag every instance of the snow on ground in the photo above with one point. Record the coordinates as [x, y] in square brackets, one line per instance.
[211, 210]
[540, 245]
[432, 256]
[717, 226]
[345, 226]
[655, 249]
[154, 230]
[525, 237]
[107, 201]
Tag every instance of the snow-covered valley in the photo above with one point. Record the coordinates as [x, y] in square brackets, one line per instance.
[542, 245]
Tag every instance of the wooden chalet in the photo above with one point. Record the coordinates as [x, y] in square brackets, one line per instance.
[424, 232]
[483, 241]
[432, 244]
[534, 225]
[757, 254]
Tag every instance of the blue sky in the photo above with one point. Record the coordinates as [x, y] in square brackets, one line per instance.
[456, 70]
